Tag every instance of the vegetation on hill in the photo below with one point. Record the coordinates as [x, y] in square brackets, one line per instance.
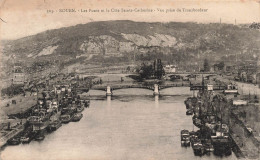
[102, 42]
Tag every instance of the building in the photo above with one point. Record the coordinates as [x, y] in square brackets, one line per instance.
[18, 76]
[170, 69]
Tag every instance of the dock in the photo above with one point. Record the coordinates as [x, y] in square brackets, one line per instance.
[11, 134]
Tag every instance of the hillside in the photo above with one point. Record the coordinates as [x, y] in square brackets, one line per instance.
[117, 41]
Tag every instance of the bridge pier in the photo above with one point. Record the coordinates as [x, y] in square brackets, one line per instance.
[156, 90]
[109, 92]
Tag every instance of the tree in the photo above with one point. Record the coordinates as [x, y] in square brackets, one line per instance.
[221, 65]
[159, 72]
[146, 71]
[206, 65]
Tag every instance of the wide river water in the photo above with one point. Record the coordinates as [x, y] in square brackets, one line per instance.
[132, 124]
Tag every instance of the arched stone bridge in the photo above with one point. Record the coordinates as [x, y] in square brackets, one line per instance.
[109, 88]
[154, 87]
[150, 87]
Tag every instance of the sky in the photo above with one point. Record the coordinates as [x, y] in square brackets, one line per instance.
[24, 18]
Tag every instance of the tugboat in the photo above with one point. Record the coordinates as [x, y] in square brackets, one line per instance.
[77, 117]
[185, 138]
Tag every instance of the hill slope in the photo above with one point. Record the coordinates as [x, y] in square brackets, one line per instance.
[174, 42]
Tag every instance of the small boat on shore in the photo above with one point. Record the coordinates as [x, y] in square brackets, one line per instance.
[77, 117]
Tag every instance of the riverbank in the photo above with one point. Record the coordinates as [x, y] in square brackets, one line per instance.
[244, 120]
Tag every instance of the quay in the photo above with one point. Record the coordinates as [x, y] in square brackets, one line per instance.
[223, 105]
[8, 135]
[39, 109]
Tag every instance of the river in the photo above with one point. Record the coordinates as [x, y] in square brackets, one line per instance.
[132, 124]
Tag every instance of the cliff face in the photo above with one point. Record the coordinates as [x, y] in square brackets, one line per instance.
[116, 38]
[105, 44]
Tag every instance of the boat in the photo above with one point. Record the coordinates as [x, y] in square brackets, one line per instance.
[64, 110]
[189, 112]
[54, 125]
[208, 146]
[77, 117]
[39, 137]
[40, 121]
[27, 137]
[198, 149]
[185, 138]
[66, 118]
[197, 122]
[222, 146]
[14, 141]
[86, 103]
[194, 139]
[188, 103]
[73, 109]
[80, 109]
[221, 140]
[193, 135]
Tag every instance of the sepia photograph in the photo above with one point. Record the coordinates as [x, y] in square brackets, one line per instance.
[129, 80]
